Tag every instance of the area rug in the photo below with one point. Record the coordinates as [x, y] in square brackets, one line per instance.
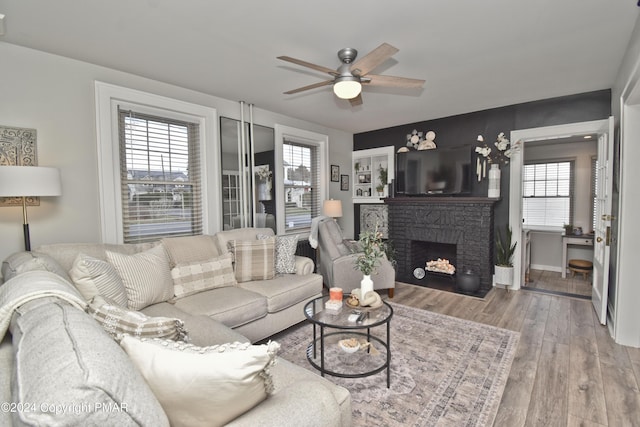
[444, 371]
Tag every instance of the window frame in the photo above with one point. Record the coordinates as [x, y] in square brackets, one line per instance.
[571, 197]
[284, 134]
[108, 98]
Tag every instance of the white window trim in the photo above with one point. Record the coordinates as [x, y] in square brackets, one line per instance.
[108, 97]
[305, 137]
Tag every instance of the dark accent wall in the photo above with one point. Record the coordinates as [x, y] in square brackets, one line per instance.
[464, 129]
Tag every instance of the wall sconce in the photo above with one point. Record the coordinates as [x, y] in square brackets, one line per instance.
[29, 181]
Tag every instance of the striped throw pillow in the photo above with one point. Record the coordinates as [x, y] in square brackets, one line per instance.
[117, 321]
[93, 276]
[191, 278]
[254, 259]
[145, 275]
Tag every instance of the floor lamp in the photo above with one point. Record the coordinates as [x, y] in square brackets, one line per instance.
[29, 181]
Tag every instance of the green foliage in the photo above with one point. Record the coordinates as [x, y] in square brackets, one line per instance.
[504, 248]
[372, 250]
[383, 175]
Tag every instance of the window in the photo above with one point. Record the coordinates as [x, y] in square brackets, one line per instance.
[301, 183]
[302, 174]
[159, 177]
[149, 148]
[547, 194]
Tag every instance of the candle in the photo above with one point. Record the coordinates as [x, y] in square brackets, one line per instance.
[335, 294]
[478, 168]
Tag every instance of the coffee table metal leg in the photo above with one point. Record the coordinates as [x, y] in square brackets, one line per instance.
[322, 351]
[315, 344]
[389, 353]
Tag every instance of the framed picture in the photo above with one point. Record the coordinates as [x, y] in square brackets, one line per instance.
[335, 173]
[344, 182]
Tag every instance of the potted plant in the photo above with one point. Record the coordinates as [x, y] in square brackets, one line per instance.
[372, 250]
[382, 180]
[504, 258]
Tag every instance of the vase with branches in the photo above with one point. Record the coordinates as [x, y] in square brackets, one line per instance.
[372, 249]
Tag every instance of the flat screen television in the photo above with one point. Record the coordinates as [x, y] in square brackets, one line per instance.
[437, 172]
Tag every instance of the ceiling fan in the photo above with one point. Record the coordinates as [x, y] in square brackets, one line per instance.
[349, 77]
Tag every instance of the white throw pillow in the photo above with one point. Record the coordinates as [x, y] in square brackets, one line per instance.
[194, 277]
[93, 276]
[145, 275]
[203, 386]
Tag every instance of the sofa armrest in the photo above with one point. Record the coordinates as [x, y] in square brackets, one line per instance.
[304, 265]
[308, 403]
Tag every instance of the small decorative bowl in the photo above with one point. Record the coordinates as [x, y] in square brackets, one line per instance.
[350, 345]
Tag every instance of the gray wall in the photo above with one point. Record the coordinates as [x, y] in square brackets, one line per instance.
[55, 96]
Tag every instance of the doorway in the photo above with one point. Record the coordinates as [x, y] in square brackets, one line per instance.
[597, 127]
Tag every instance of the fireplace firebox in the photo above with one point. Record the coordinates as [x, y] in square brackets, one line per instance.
[459, 229]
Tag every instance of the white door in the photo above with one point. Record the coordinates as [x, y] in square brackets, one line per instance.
[602, 238]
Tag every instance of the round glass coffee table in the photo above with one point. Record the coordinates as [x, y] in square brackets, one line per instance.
[374, 354]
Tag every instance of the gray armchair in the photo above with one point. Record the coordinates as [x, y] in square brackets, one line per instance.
[337, 258]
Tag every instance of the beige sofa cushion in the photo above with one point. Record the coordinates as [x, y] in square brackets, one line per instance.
[93, 276]
[66, 253]
[253, 259]
[117, 320]
[189, 249]
[204, 386]
[286, 290]
[232, 305]
[194, 277]
[21, 262]
[146, 276]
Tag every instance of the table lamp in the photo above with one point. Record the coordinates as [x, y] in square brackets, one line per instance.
[29, 181]
[332, 208]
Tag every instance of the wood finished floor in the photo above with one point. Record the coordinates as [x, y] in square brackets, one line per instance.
[553, 281]
[567, 370]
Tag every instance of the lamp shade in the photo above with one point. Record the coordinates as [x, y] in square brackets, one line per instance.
[21, 181]
[347, 87]
[332, 208]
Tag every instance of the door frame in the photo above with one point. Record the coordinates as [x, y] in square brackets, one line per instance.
[515, 176]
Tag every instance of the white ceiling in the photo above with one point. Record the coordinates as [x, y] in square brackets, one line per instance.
[473, 54]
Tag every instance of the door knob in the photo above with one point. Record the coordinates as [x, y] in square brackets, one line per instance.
[599, 239]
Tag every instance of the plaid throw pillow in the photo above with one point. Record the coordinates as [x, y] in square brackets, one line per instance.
[117, 320]
[254, 259]
[194, 277]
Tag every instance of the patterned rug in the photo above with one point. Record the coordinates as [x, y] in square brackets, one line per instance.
[444, 371]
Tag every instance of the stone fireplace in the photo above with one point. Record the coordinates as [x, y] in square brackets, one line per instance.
[459, 229]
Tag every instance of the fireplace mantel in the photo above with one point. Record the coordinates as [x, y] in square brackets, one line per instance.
[466, 222]
[439, 199]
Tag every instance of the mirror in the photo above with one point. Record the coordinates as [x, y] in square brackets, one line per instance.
[247, 200]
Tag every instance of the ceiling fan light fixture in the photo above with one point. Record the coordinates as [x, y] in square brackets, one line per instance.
[347, 87]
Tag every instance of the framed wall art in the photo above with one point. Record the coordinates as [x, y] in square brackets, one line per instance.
[18, 148]
[344, 182]
[335, 173]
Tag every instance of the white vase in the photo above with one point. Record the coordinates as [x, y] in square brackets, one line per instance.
[494, 181]
[366, 285]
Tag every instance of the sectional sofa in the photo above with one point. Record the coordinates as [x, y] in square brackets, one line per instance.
[226, 291]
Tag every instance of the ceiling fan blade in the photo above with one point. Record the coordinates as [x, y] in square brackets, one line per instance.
[313, 86]
[356, 101]
[392, 81]
[374, 58]
[308, 65]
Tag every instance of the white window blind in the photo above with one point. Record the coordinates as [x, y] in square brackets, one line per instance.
[548, 194]
[302, 202]
[160, 176]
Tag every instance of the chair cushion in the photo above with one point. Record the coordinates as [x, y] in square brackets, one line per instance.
[191, 278]
[232, 305]
[204, 386]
